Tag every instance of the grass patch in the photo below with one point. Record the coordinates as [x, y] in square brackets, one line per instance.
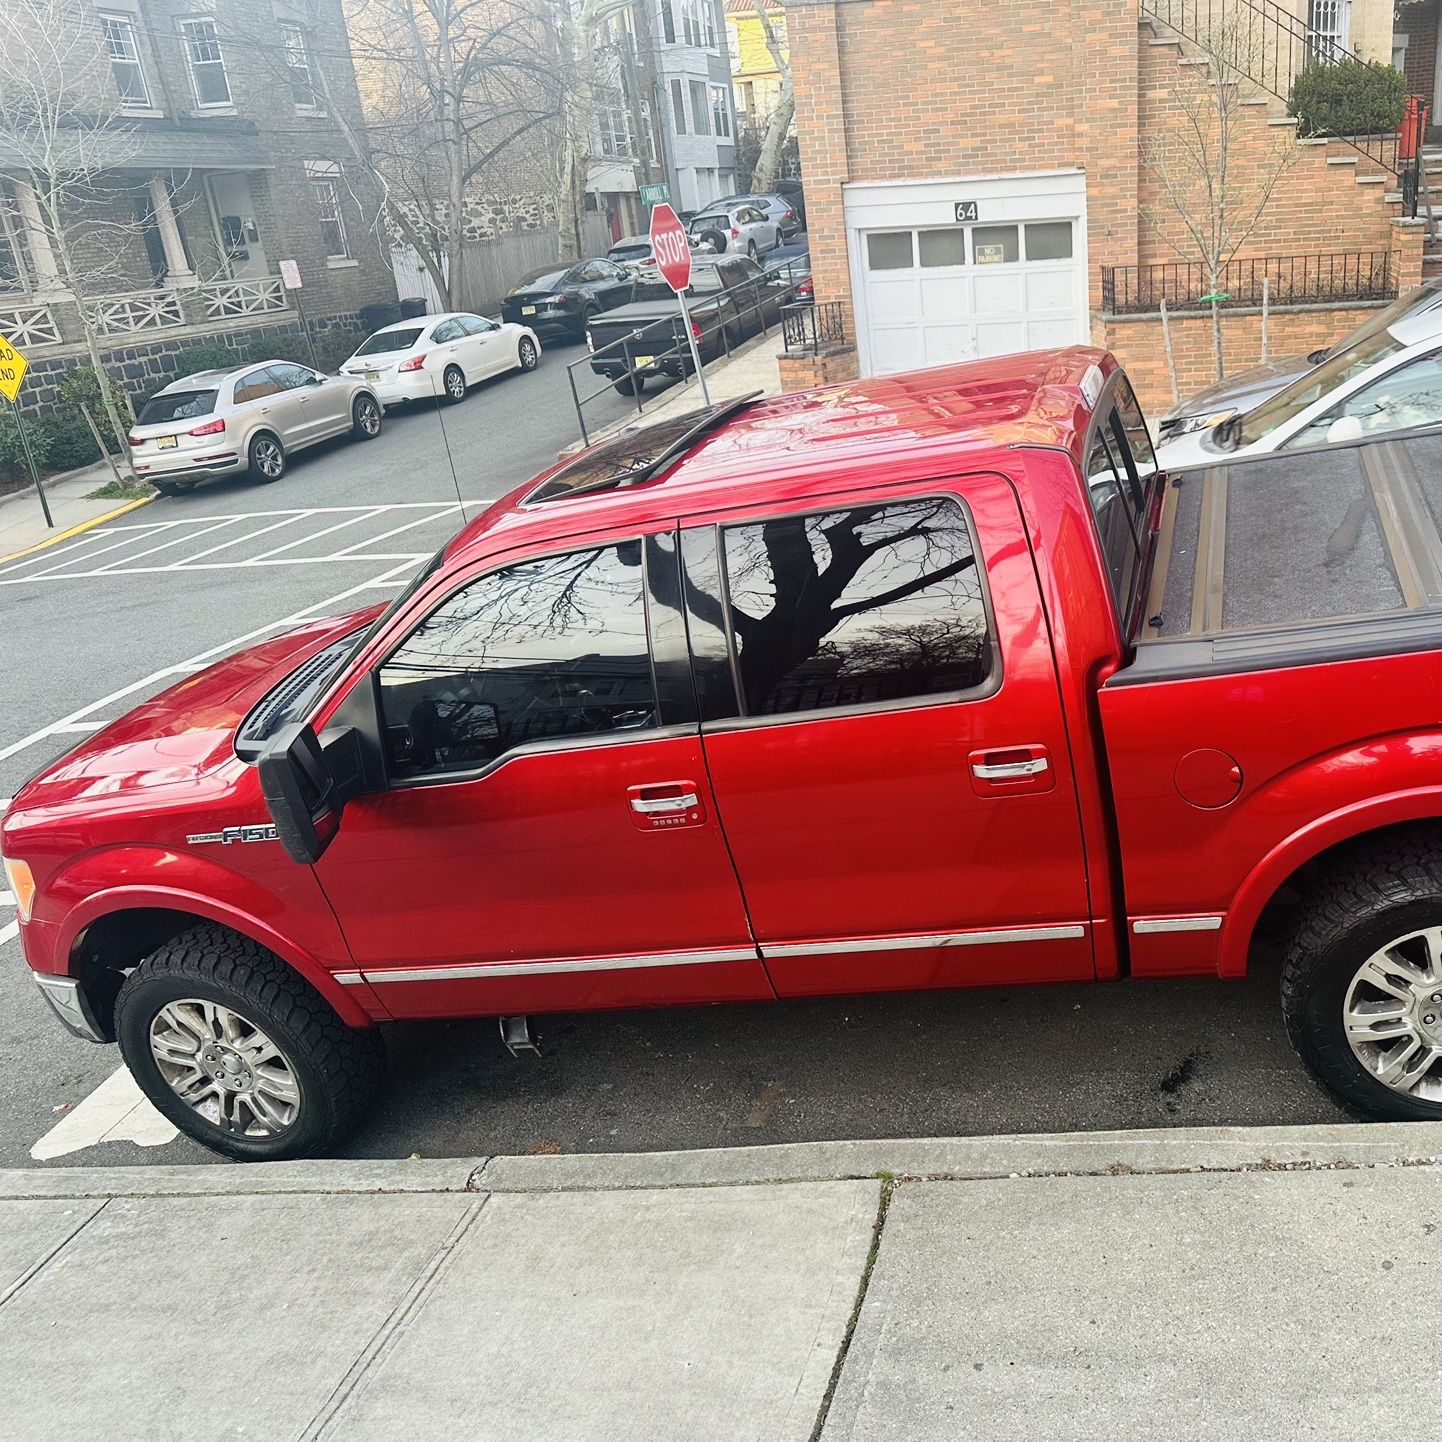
[120, 491]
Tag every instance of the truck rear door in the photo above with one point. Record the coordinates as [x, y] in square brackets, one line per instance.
[885, 739]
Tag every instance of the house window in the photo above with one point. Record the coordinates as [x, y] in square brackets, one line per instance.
[207, 66]
[1327, 30]
[298, 66]
[678, 105]
[650, 133]
[123, 50]
[325, 187]
[691, 17]
[12, 270]
[668, 22]
[613, 124]
[699, 117]
[720, 111]
[708, 15]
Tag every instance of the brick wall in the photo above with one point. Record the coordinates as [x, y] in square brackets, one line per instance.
[1418, 22]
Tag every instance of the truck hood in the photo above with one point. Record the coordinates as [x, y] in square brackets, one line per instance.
[629, 316]
[186, 732]
[1240, 392]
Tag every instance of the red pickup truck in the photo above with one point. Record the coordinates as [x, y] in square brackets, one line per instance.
[924, 681]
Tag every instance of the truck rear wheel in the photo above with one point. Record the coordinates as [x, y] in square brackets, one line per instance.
[1362, 983]
[242, 1053]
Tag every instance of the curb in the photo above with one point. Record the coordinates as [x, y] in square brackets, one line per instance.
[1171, 1151]
[77, 530]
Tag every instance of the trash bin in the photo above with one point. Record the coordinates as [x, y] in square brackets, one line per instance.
[412, 306]
[373, 317]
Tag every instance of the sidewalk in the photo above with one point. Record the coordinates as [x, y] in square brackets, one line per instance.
[1263, 1282]
[753, 368]
[22, 522]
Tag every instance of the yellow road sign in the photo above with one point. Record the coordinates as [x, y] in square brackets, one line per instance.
[13, 366]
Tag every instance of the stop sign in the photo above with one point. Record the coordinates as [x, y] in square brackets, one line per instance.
[668, 245]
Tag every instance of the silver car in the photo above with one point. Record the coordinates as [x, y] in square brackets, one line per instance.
[246, 420]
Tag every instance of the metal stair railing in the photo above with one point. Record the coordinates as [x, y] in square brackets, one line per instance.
[1269, 45]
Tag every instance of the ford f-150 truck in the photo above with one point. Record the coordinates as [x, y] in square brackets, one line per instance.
[923, 681]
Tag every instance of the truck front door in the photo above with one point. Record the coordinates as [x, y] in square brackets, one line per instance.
[549, 838]
[884, 733]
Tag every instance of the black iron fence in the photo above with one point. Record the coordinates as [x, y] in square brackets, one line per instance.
[1281, 279]
[806, 329]
[1269, 44]
[660, 349]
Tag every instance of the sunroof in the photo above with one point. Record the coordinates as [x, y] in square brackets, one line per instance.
[635, 456]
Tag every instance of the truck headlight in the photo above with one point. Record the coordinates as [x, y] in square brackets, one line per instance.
[22, 886]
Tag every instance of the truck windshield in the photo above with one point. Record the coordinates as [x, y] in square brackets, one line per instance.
[1336, 371]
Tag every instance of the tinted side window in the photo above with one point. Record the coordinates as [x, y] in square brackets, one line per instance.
[475, 325]
[1129, 413]
[854, 607]
[546, 650]
[289, 377]
[447, 330]
[257, 385]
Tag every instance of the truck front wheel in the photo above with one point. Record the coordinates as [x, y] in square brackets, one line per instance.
[1362, 983]
[242, 1053]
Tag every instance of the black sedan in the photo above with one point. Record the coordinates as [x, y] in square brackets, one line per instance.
[558, 300]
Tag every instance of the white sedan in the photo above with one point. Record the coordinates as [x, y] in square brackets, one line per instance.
[1390, 380]
[435, 357]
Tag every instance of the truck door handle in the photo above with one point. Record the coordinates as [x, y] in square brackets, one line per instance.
[1009, 770]
[662, 805]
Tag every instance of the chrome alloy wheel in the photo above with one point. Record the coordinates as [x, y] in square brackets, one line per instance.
[455, 384]
[224, 1067]
[369, 415]
[267, 457]
[1393, 1014]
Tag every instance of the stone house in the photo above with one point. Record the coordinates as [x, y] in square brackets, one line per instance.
[977, 182]
[232, 158]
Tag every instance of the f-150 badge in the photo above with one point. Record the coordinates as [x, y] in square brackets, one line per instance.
[265, 832]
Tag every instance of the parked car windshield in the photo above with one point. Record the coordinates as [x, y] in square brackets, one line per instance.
[1336, 371]
[389, 340]
[177, 406]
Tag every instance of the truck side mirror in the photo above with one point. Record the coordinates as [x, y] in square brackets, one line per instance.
[306, 783]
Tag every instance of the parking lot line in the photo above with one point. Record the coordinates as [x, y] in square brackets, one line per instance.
[286, 520]
[172, 541]
[153, 530]
[200, 659]
[386, 535]
[316, 535]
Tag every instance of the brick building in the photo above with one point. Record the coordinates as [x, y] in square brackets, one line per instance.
[233, 158]
[981, 179]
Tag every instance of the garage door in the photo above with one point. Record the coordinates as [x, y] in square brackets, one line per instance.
[958, 292]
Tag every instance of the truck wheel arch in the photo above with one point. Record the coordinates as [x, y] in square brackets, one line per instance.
[1328, 839]
[118, 931]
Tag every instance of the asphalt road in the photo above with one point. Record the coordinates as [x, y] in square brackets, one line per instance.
[93, 626]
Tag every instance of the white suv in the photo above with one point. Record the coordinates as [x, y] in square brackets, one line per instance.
[741, 228]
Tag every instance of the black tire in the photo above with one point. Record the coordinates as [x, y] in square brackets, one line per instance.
[267, 458]
[1377, 897]
[338, 1069]
[174, 488]
[527, 356]
[629, 385]
[751, 250]
[714, 239]
[365, 418]
[453, 386]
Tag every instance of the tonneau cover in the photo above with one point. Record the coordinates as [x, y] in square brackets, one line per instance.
[1308, 555]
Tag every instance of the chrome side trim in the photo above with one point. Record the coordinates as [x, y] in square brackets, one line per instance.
[483, 969]
[1177, 923]
[348, 978]
[916, 943]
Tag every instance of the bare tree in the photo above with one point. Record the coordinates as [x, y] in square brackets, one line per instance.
[778, 123]
[65, 139]
[1214, 182]
[450, 88]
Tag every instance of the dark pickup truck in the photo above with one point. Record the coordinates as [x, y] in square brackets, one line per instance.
[729, 299]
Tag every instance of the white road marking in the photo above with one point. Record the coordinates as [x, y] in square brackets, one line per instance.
[172, 540]
[116, 1111]
[91, 555]
[196, 661]
[6, 899]
[9, 933]
[250, 535]
[386, 535]
[88, 539]
[316, 535]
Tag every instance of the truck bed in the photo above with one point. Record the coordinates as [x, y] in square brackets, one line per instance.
[1313, 555]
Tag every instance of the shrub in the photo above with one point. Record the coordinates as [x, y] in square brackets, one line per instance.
[14, 472]
[208, 355]
[1348, 97]
[79, 387]
[68, 442]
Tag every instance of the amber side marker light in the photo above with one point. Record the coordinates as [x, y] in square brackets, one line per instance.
[22, 886]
